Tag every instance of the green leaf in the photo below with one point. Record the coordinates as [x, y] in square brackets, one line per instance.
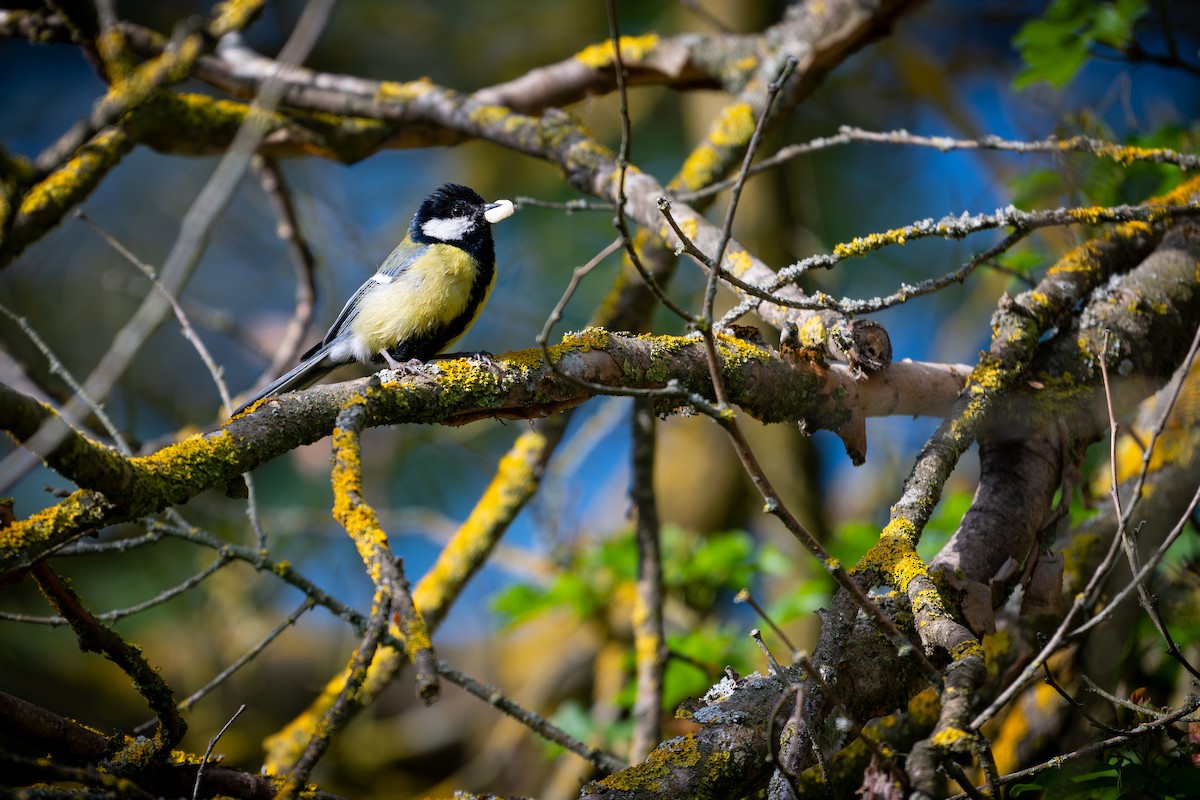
[1113, 22]
[1055, 46]
[518, 603]
[1054, 61]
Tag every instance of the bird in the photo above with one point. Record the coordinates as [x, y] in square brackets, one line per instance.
[422, 298]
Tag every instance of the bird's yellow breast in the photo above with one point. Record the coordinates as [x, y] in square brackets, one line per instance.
[429, 294]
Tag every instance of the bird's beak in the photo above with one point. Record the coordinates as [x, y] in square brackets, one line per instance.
[501, 209]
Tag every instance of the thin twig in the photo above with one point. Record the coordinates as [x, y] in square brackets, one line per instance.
[338, 713]
[287, 228]
[1122, 154]
[181, 317]
[776, 669]
[248, 656]
[1078, 706]
[222, 559]
[774, 505]
[535, 722]
[960, 777]
[1128, 705]
[1190, 704]
[735, 195]
[1141, 573]
[208, 751]
[847, 135]
[744, 596]
[193, 338]
[705, 320]
[1022, 222]
[262, 562]
[58, 368]
[619, 221]
[649, 640]
[1127, 543]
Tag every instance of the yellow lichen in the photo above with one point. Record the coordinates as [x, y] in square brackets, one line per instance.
[862, 245]
[402, 92]
[812, 332]
[745, 64]
[698, 170]
[951, 738]
[738, 262]
[633, 49]
[646, 647]
[655, 772]
[738, 351]
[61, 185]
[733, 127]
[489, 116]
[967, 649]
[515, 477]
[233, 15]
[925, 707]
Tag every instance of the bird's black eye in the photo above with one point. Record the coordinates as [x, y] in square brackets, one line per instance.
[461, 210]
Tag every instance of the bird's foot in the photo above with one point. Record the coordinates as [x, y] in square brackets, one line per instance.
[414, 366]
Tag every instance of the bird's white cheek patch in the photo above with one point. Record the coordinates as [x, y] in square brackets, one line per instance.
[447, 230]
[501, 209]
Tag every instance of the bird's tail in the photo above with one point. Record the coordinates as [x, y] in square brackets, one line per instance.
[314, 367]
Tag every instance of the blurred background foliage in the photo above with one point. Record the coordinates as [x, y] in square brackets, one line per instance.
[955, 67]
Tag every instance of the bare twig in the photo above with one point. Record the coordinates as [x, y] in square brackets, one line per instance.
[622, 168]
[189, 333]
[1075, 704]
[1128, 705]
[303, 262]
[1022, 223]
[1191, 703]
[338, 713]
[58, 368]
[1141, 573]
[212, 743]
[776, 669]
[847, 134]
[120, 613]
[744, 596]
[248, 656]
[1127, 543]
[649, 641]
[535, 722]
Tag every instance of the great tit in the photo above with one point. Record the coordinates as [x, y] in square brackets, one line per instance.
[423, 297]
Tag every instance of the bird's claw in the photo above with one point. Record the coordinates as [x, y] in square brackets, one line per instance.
[414, 366]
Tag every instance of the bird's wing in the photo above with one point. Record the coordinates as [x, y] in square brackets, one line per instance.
[397, 262]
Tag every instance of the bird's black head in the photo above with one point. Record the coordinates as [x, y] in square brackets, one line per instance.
[452, 214]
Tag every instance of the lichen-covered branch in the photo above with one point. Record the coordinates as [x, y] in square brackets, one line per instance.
[95, 636]
[362, 524]
[460, 391]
